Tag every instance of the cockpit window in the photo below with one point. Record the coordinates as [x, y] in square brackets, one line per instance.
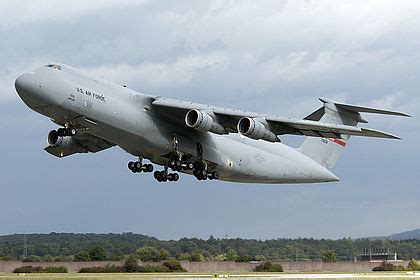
[54, 66]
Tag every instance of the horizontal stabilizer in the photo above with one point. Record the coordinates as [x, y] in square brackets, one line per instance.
[362, 109]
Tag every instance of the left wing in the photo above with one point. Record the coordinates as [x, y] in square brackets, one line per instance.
[223, 120]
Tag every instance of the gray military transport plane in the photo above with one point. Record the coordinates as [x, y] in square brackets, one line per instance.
[206, 141]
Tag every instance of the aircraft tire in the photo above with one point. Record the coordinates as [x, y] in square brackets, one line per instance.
[215, 175]
[149, 168]
[175, 177]
[137, 165]
[131, 165]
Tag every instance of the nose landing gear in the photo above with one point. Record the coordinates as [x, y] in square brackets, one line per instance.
[68, 131]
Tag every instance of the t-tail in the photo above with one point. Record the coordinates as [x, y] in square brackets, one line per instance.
[327, 150]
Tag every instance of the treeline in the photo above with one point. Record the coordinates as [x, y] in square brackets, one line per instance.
[85, 247]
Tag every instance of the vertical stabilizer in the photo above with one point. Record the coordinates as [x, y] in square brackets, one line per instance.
[327, 150]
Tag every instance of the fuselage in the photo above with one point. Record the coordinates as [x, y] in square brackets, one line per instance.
[127, 118]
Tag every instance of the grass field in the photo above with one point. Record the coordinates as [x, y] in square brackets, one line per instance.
[129, 276]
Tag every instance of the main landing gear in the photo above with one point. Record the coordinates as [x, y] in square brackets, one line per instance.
[202, 173]
[163, 176]
[177, 162]
[138, 166]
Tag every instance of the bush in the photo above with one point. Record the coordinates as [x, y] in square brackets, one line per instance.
[28, 269]
[413, 265]
[55, 269]
[268, 267]
[386, 266]
[102, 269]
[131, 264]
[174, 266]
[82, 256]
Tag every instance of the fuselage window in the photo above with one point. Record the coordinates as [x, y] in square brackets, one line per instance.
[54, 66]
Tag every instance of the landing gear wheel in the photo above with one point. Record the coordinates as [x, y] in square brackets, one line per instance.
[71, 131]
[137, 166]
[175, 177]
[131, 165]
[178, 165]
[149, 168]
[171, 164]
[215, 175]
[203, 173]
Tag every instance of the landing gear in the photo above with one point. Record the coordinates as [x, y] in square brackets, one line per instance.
[68, 131]
[203, 174]
[175, 163]
[138, 166]
[163, 176]
[201, 171]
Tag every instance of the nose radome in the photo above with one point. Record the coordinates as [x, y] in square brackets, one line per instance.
[26, 88]
[24, 83]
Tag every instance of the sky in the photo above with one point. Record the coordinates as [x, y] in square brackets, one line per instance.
[276, 57]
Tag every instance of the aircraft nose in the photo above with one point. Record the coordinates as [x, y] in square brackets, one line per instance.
[29, 92]
[24, 84]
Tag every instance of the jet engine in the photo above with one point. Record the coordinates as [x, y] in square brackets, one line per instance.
[64, 142]
[204, 122]
[256, 130]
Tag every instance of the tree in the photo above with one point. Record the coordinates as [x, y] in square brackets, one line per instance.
[98, 253]
[82, 256]
[164, 255]
[231, 255]
[149, 253]
[329, 256]
[260, 258]
[196, 256]
[131, 264]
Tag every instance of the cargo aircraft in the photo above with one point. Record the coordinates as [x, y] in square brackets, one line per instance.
[206, 141]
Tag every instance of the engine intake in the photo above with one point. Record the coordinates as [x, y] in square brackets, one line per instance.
[204, 122]
[254, 129]
[63, 142]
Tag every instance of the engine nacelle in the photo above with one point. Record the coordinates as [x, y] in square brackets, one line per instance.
[64, 142]
[254, 129]
[203, 122]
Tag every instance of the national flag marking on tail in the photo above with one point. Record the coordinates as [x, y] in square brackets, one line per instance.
[338, 141]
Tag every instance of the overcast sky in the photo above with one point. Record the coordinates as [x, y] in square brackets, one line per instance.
[277, 57]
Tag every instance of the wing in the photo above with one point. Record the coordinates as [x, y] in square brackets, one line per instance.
[175, 111]
[79, 143]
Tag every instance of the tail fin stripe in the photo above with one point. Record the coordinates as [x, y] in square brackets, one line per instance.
[338, 141]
